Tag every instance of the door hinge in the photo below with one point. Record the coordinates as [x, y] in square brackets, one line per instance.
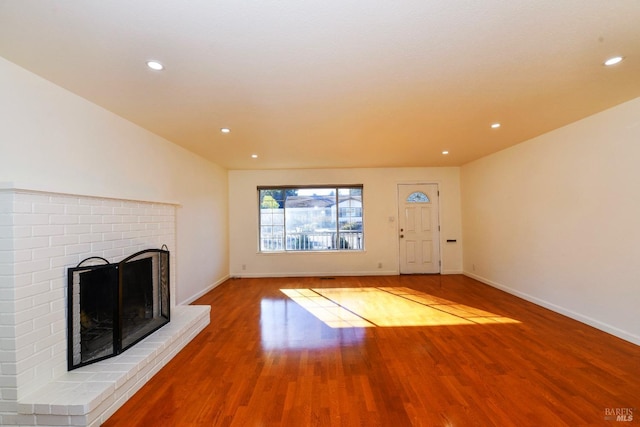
[438, 228]
[438, 193]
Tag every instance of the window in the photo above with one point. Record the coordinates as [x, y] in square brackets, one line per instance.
[311, 218]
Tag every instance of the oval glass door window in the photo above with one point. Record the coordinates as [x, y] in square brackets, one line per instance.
[418, 197]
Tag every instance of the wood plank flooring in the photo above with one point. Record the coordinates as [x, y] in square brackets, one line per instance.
[266, 361]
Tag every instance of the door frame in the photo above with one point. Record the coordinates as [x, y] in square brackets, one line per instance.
[397, 203]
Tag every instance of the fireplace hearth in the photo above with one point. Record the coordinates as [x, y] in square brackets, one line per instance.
[113, 306]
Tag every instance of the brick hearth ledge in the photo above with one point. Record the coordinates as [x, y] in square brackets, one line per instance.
[89, 395]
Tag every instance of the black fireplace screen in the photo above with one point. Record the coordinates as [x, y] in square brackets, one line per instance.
[113, 306]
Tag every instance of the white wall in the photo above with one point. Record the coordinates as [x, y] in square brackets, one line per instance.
[51, 139]
[556, 220]
[380, 221]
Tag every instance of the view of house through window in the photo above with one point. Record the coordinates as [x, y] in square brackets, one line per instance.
[310, 218]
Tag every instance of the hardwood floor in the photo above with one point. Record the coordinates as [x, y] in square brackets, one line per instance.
[266, 361]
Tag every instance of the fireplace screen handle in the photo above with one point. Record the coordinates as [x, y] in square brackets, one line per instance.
[90, 258]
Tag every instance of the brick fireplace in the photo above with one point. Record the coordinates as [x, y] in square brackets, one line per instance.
[41, 235]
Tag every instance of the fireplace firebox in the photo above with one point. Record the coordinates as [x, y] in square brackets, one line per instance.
[113, 306]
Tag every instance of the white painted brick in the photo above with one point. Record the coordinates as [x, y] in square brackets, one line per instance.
[47, 253]
[47, 288]
[6, 219]
[77, 209]
[23, 329]
[7, 381]
[6, 306]
[47, 230]
[130, 235]
[121, 243]
[20, 232]
[52, 420]
[65, 261]
[18, 420]
[90, 219]
[64, 219]
[9, 393]
[31, 219]
[22, 304]
[48, 275]
[59, 326]
[48, 342]
[59, 304]
[138, 226]
[7, 257]
[64, 200]
[89, 201]
[112, 236]
[112, 219]
[31, 290]
[7, 290]
[30, 315]
[47, 208]
[45, 320]
[101, 246]
[9, 369]
[113, 253]
[101, 210]
[6, 232]
[77, 229]
[114, 203]
[31, 243]
[23, 196]
[124, 210]
[31, 266]
[83, 248]
[46, 298]
[89, 238]
[121, 227]
[22, 207]
[26, 365]
[7, 356]
[101, 228]
[6, 244]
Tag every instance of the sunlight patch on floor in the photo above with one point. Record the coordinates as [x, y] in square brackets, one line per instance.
[387, 307]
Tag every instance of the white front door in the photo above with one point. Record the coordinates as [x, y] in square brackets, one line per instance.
[418, 228]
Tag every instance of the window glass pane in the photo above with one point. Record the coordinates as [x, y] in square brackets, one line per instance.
[350, 218]
[271, 220]
[418, 197]
[310, 219]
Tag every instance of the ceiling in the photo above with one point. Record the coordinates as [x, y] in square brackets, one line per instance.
[335, 83]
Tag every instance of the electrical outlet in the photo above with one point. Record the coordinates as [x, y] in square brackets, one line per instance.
[473, 267]
[379, 265]
[244, 266]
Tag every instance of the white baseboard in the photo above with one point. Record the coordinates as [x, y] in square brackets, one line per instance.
[204, 291]
[605, 327]
[316, 274]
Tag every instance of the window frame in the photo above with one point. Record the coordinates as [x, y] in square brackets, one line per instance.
[354, 244]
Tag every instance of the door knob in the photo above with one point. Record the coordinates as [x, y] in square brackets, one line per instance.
[401, 236]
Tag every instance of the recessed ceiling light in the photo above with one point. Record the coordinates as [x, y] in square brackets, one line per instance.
[155, 65]
[613, 61]
[495, 126]
[445, 152]
[225, 130]
[254, 156]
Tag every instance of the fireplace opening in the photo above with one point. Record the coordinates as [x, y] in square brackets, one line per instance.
[113, 306]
